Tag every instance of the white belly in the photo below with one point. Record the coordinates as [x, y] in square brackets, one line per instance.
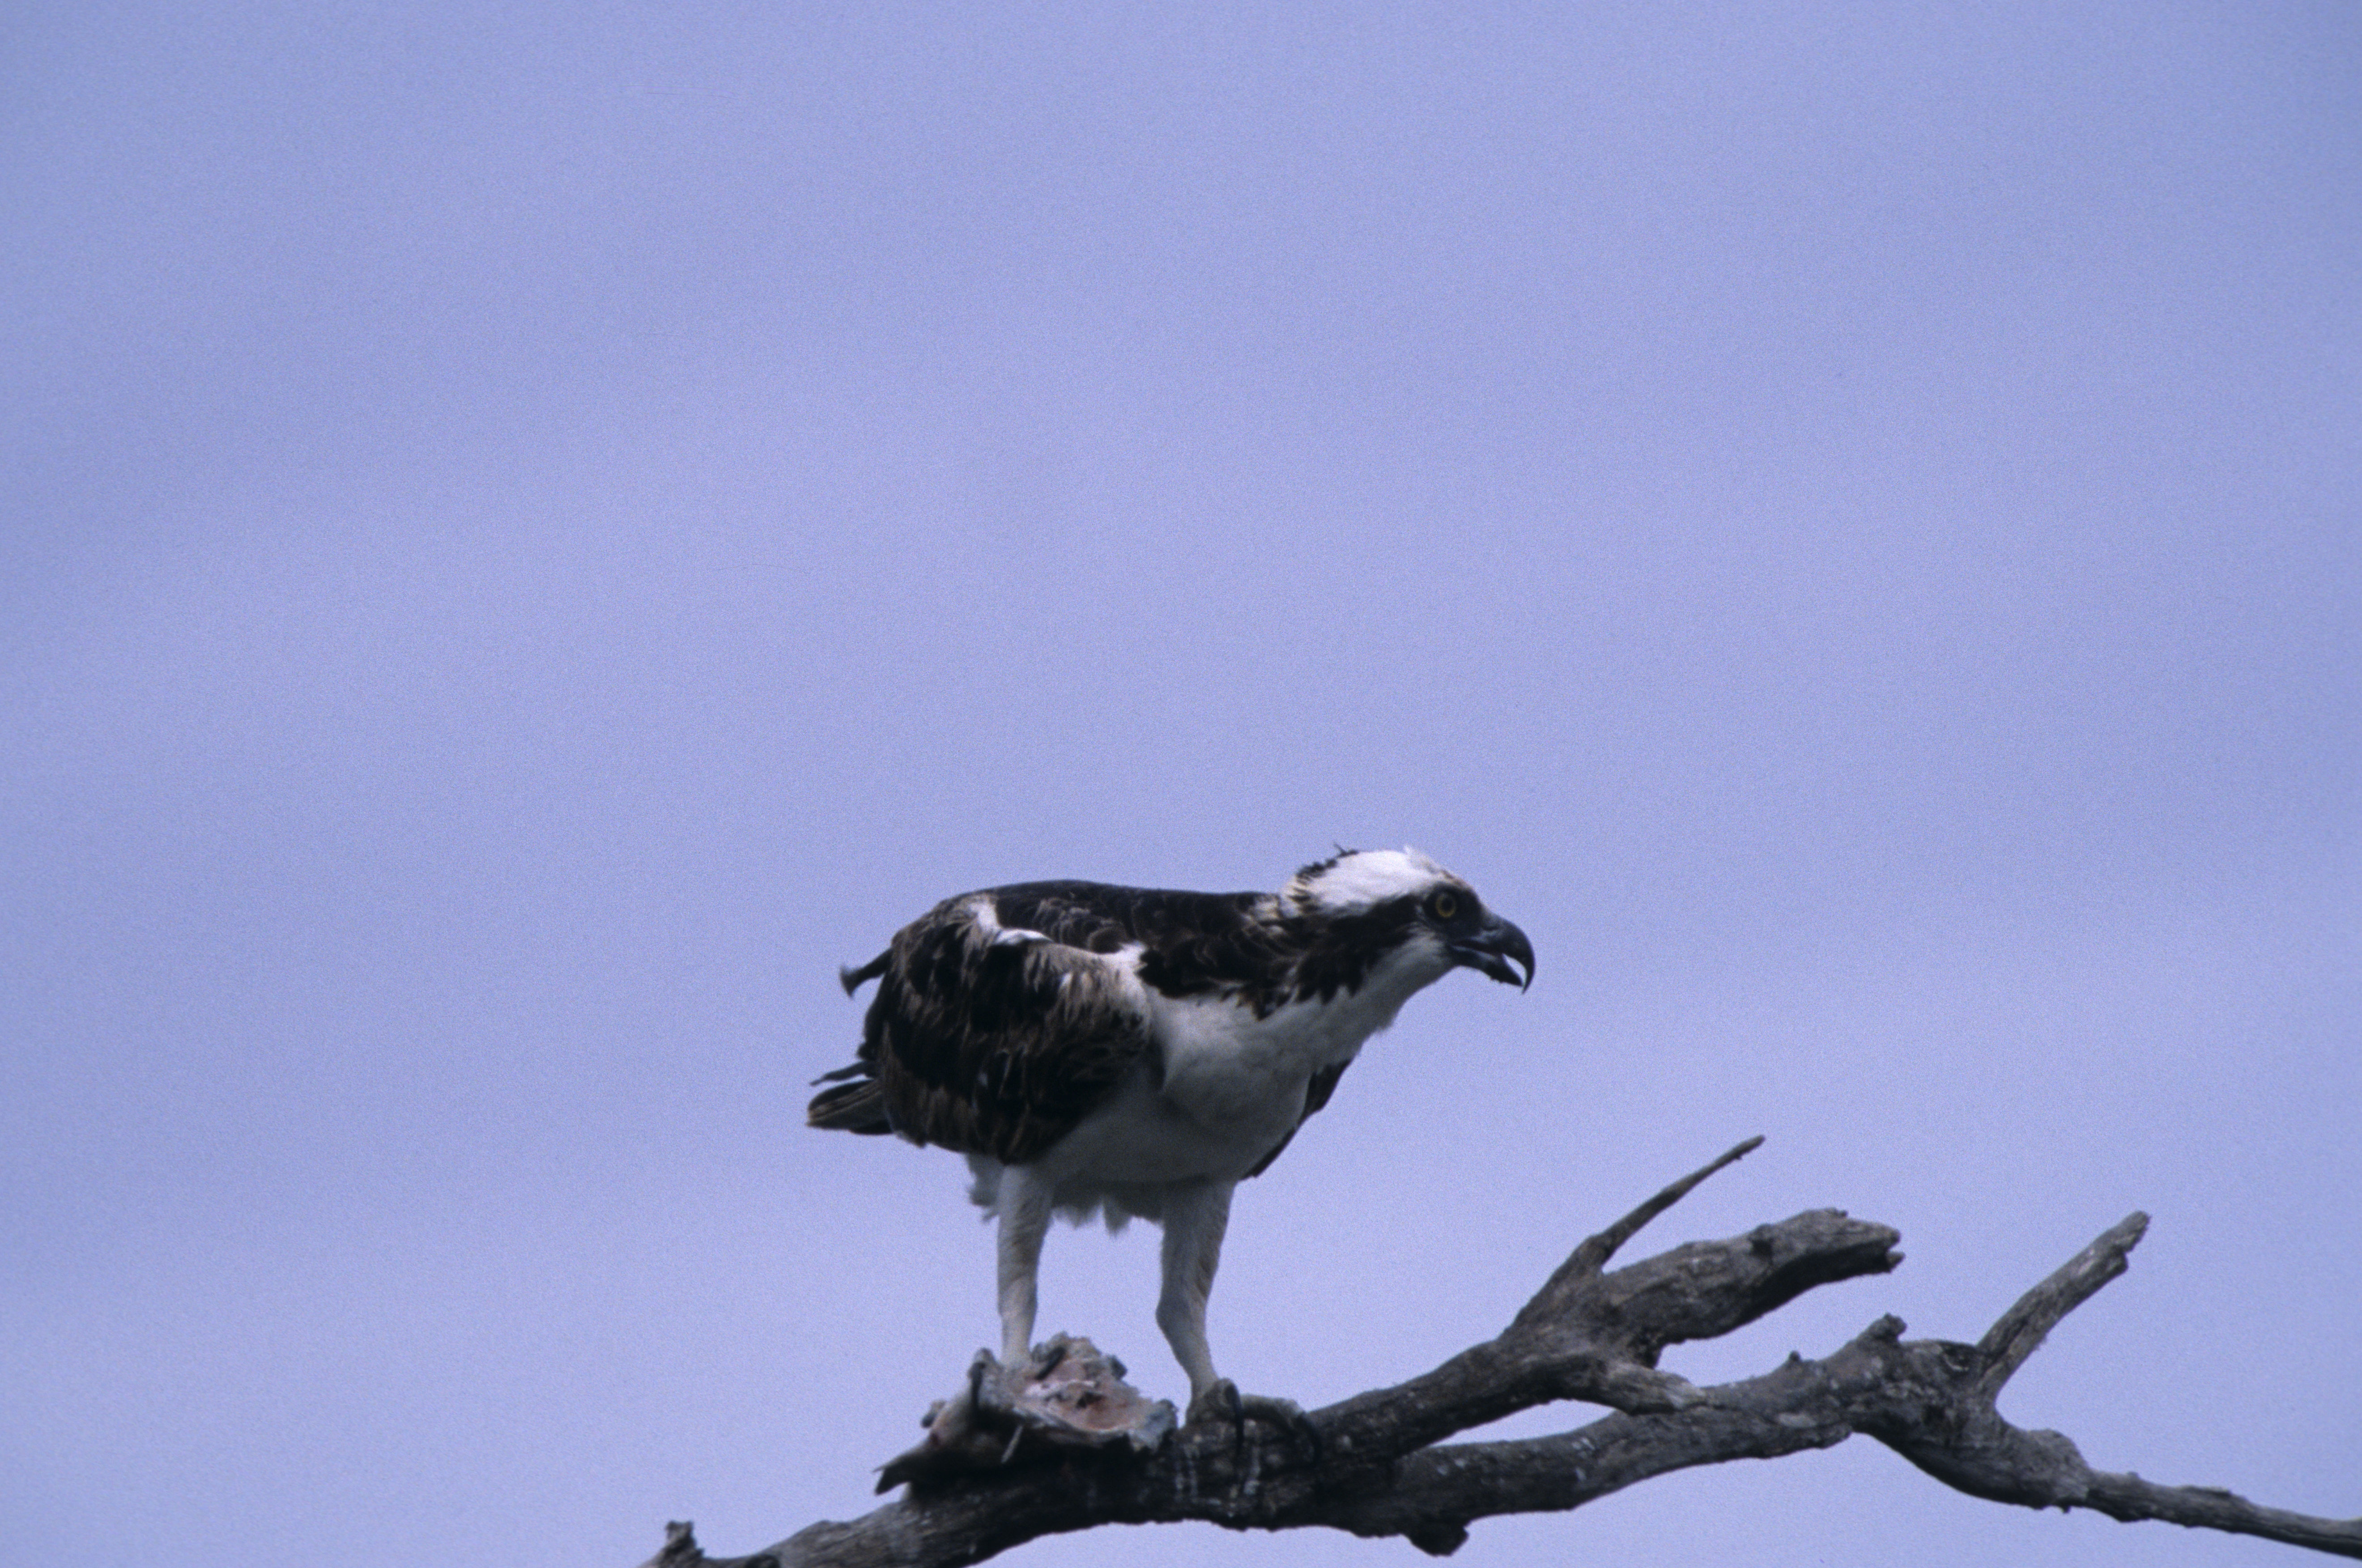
[1142, 1136]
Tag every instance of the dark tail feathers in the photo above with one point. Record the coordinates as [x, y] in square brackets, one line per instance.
[856, 1107]
[853, 979]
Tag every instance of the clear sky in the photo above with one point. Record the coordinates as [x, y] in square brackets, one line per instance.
[530, 533]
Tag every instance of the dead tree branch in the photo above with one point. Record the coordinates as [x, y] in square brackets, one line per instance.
[1376, 1465]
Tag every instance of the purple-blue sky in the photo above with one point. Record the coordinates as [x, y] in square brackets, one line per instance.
[533, 533]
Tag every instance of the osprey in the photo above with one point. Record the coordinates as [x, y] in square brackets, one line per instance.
[1137, 1054]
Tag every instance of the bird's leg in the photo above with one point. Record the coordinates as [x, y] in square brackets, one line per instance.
[1024, 1206]
[1195, 1215]
[1195, 1218]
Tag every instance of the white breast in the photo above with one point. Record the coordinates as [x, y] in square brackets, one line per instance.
[1232, 1084]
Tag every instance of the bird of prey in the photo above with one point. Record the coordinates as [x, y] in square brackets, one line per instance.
[1137, 1054]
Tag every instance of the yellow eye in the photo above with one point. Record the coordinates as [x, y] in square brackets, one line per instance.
[1444, 905]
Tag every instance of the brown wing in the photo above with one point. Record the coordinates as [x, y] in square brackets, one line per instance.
[987, 1040]
[1316, 1095]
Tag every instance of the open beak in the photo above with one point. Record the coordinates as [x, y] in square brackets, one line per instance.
[1492, 946]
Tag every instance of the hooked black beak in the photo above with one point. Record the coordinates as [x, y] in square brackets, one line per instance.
[1491, 946]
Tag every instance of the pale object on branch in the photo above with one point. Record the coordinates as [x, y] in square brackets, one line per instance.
[1066, 1395]
[1376, 1465]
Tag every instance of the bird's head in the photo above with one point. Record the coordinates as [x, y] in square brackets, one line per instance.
[1402, 894]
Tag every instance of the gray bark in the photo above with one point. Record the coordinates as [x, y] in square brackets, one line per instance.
[1376, 1465]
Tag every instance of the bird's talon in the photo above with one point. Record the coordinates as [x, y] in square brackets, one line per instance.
[1222, 1402]
[1285, 1416]
[1219, 1402]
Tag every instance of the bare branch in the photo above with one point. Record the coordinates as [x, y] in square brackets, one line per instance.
[1938, 1413]
[2019, 1333]
[1592, 1256]
[1376, 1465]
